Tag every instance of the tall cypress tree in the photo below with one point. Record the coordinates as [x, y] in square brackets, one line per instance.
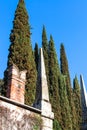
[45, 51]
[36, 55]
[20, 50]
[64, 103]
[64, 63]
[53, 80]
[77, 100]
[65, 71]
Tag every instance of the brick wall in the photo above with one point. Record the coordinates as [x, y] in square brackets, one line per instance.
[16, 84]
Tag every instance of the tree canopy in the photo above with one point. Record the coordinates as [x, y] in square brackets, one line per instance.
[20, 50]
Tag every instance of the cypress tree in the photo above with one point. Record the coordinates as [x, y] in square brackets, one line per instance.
[36, 55]
[77, 100]
[65, 71]
[53, 81]
[64, 63]
[45, 51]
[64, 103]
[20, 50]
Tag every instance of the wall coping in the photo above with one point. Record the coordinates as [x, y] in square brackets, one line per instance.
[20, 105]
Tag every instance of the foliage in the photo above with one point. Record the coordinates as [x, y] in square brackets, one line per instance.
[65, 71]
[65, 111]
[20, 50]
[36, 55]
[53, 80]
[37, 123]
[77, 100]
[56, 125]
[64, 64]
[45, 52]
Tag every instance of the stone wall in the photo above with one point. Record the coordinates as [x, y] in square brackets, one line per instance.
[16, 116]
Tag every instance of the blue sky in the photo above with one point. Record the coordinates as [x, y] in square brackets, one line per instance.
[66, 20]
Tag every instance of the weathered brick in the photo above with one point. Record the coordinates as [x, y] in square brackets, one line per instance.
[16, 84]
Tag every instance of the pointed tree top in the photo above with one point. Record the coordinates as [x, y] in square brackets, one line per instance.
[51, 38]
[62, 47]
[43, 27]
[76, 86]
[21, 0]
[51, 42]
[44, 33]
[76, 77]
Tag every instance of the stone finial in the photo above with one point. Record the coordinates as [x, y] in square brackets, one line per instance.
[16, 84]
[83, 92]
[42, 87]
[42, 96]
[84, 104]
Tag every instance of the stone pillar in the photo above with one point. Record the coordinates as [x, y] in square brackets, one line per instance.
[16, 84]
[83, 92]
[42, 96]
[84, 104]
